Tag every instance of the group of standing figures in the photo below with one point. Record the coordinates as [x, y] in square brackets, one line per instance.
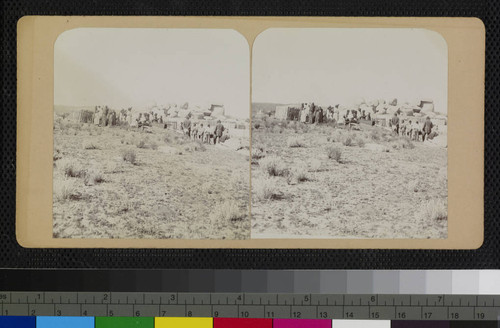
[313, 114]
[205, 133]
[105, 116]
[310, 113]
[413, 129]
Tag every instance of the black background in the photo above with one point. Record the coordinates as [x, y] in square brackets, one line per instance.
[14, 256]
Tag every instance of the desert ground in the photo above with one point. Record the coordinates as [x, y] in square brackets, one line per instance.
[122, 182]
[325, 181]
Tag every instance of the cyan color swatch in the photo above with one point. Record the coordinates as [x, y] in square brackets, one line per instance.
[65, 322]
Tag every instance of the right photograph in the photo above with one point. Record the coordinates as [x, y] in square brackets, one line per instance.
[349, 134]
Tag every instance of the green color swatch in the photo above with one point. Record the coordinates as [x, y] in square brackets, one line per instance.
[124, 322]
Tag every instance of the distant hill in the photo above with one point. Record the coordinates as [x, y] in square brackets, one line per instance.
[63, 109]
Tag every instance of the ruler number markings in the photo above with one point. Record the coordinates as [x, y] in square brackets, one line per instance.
[298, 306]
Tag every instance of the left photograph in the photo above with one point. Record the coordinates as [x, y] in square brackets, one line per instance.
[151, 134]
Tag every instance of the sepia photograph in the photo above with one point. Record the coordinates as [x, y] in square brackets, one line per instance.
[151, 134]
[349, 134]
[252, 133]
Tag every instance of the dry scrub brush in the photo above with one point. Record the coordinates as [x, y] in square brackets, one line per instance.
[194, 146]
[228, 221]
[153, 145]
[129, 156]
[141, 144]
[265, 189]
[273, 166]
[433, 210]
[66, 190]
[360, 142]
[353, 139]
[334, 153]
[258, 152]
[225, 212]
[174, 138]
[57, 155]
[402, 143]
[71, 168]
[414, 186]
[93, 177]
[298, 174]
[348, 141]
[199, 146]
[338, 136]
[89, 144]
[146, 144]
[376, 135]
[295, 142]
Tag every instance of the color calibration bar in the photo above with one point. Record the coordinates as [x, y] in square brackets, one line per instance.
[450, 282]
[106, 322]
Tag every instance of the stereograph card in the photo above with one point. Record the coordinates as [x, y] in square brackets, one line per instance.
[249, 132]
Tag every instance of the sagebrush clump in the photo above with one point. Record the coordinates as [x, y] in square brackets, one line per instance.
[273, 166]
[225, 212]
[298, 174]
[360, 141]
[71, 168]
[433, 210]
[129, 156]
[93, 177]
[334, 153]
[89, 145]
[403, 143]
[295, 142]
[258, 153]
[375, 135]
[348, 141]
[265, 189]
[141, 144]
[65, 190]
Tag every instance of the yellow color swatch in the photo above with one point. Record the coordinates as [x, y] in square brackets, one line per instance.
[183, 322]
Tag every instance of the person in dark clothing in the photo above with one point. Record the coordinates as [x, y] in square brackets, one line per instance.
[201, 133]
[186, 126]
[319, 115]
[395, 123]
[194, 132]
[312, 114]
[219, 129]
[427, 128]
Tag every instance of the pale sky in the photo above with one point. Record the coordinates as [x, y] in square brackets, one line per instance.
[340, 65]
[123, 67]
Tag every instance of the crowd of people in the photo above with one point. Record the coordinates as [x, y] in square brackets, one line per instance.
[310, 113]
[204, 132]
[413, 129]
[313, 114]
[105, 116]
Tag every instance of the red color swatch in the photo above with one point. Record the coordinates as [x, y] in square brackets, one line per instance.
[242, 323]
